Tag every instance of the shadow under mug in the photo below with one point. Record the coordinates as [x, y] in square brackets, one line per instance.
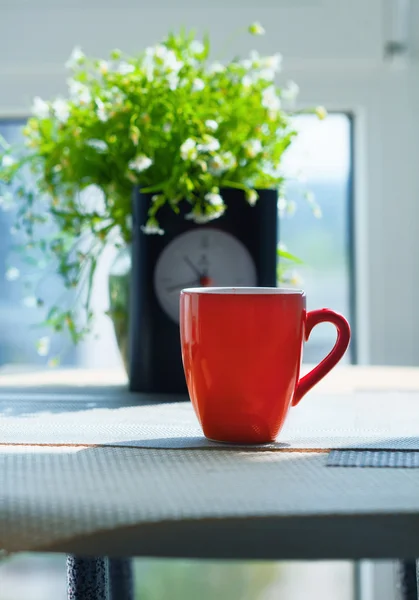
[242, 351]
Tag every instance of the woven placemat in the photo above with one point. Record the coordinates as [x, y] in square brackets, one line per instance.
[373, 458]
[49, 495]
[346, 421]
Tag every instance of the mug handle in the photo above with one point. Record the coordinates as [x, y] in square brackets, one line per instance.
[313, 318]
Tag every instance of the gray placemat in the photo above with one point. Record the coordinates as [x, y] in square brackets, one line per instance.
[385, 421]
[373, 458]
[49, 495]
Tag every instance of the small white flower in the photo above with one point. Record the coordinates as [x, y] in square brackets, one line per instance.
[216, 67]
[311, 200]
[43, 346]
[30, 301]
[198, 85]
[101, 111]
[8, 161]
[104, 66]
[293, 278]
[98, 145]
[79, 92]
[271, 62]
[248, 64]
[214, 199]
[252, 197]
[266, 75]
[173, 81]
[211, 125]
[256, 29]
[317, 212]
[220, 163]
[167, 58]
[282, 206]
[248, 81]
[321, 112]
[272, 169]
[128, 222]
[199, 218]
[61, 110]
[6, 201]
[229, 160]
[270, 99]
[172, 63]
[40, 108]
[254, 60]
[253, 148]
[290, 92]
[167, 127]
[216, 165]
[114, 96]
[188, 149]
[12, 274]
[196, 47]
[291, 208]
[152, 229]
[140, 163]
[125, 68]
[76, 58]
[210, 144]
[265, 129]
[218, 213]
[161, 58]
[261, 67]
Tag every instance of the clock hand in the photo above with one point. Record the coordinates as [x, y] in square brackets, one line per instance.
[179, 286]
[193, 267]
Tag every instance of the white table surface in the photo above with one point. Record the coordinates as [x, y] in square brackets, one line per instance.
[91, 499]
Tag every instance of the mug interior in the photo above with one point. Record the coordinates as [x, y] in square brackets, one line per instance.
[262, 291]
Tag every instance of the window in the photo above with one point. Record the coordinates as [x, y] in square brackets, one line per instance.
[321, 157]
[19, 316]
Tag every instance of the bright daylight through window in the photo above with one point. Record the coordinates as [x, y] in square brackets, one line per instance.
[320, 161]
[321, 235]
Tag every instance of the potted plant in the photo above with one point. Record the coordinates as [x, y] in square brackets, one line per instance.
[170, 121]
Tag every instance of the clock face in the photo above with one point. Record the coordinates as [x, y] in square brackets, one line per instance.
[201, 257]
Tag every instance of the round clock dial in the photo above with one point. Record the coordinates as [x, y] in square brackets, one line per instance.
[201, 257]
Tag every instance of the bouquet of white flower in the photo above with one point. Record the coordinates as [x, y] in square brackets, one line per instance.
[171, 121]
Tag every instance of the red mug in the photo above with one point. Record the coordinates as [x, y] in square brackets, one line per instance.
[242, 351]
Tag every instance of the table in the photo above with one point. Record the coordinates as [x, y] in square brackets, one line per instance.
[88, 500]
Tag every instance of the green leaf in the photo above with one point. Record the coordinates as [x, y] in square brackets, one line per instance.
[288, 256]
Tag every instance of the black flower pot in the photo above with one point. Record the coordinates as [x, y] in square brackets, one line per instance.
[251, 232]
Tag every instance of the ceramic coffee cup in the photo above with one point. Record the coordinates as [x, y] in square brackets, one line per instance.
[242, 351]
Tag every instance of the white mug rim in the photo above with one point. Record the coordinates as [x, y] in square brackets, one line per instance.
[244, 291]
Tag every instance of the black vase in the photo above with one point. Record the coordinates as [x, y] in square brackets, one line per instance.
[155, 364]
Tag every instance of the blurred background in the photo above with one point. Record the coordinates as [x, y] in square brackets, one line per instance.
[358, 58]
